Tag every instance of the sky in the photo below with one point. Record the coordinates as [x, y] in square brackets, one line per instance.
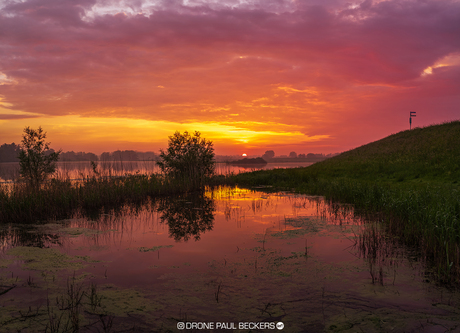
[310, 76]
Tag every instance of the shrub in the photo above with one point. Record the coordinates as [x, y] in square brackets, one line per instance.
[189, 158]
[36, 160]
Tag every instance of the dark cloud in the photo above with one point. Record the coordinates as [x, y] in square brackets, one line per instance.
[16, 116]
[73, 57]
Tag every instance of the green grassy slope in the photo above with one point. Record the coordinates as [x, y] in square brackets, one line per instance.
[411, 177]
[431, 153]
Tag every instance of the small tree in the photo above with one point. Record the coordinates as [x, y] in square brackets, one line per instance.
[36, 160]
[188, 158]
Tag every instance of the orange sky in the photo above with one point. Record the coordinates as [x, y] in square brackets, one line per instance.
[319, 76]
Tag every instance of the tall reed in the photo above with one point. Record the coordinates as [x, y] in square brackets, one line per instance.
[60, 198]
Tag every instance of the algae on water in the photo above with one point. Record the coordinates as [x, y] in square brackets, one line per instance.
[122, 302]
[75, 232]
[45, 259]
[302, 224]
[154, 248]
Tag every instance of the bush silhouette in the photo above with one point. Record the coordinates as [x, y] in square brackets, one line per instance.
[36, 160]
[189, 158]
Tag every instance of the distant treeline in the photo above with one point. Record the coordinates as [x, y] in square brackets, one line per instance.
[128, 155]
[249, 161]
[71, 156]
[270, 156]
[10, 152]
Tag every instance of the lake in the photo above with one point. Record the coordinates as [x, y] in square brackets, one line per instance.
[228, 259]
[79, 170]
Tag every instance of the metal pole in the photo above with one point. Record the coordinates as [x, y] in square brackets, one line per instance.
[411, 114]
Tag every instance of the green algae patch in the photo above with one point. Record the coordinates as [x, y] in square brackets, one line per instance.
[300, 225]
[388, 319]
[12, 324]
[46, 226]
[80, 306]
[290, 233]
[64, 230]
[86, 259]
[153, 249]
[45, 259]
[314, 224]
[4, 263]
[258, 249]
[125, 302]
[75, 232]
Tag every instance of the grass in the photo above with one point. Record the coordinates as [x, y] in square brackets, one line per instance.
[411, 179]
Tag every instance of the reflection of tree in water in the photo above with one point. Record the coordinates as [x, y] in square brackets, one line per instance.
[188, 215]
[95, 225]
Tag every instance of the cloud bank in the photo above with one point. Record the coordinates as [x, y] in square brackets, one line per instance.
[332, 67]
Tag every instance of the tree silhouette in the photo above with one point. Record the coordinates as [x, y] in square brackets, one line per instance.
[189, 158]
[36, 160]
[268, 155]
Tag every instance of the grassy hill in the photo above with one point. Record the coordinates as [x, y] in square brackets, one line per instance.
[431, 153]
[410, 178]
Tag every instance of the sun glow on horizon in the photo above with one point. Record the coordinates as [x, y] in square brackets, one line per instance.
[102, 134]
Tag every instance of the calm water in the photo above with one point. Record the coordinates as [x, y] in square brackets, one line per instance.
[79, 170]
[228, 257]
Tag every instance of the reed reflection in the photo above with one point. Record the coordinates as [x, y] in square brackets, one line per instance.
[35, 235]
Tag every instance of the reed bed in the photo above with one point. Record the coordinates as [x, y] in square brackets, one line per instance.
[60, 198]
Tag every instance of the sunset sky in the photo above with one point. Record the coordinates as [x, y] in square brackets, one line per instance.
[320, 76]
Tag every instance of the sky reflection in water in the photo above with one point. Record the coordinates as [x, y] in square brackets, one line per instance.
[236, 255]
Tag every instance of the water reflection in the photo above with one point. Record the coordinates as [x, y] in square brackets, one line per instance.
[188, 216]
[257, 257]
[27, 235]
[384, 254]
